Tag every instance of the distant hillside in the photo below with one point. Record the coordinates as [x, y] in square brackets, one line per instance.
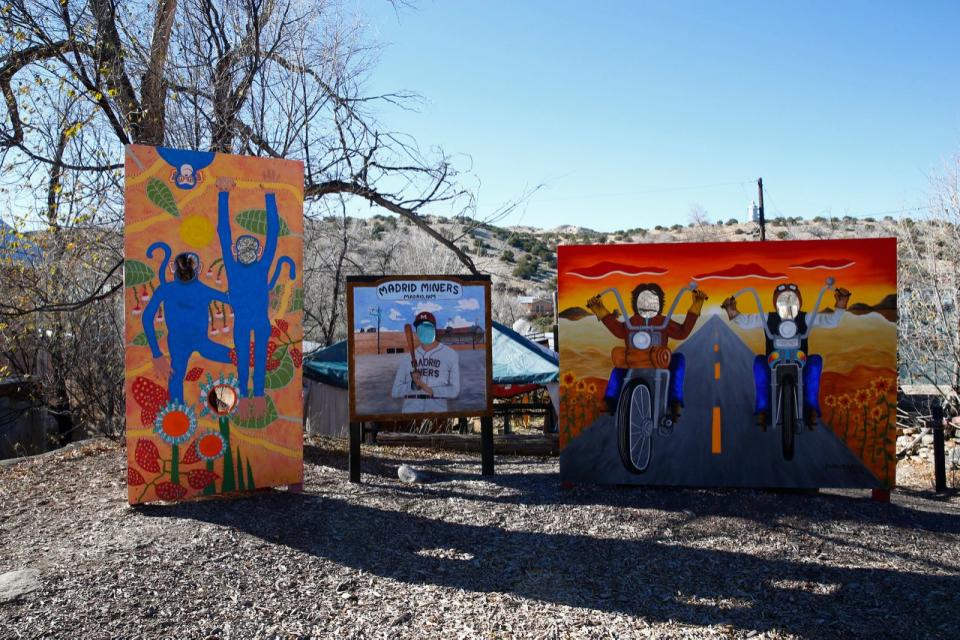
[523, 258]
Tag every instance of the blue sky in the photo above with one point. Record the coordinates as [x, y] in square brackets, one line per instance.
[465, 311]
[628, 113]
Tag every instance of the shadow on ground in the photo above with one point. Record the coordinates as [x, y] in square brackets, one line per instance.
[658, 578]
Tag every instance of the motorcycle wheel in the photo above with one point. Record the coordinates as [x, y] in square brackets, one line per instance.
[635, 426]
[788, 412]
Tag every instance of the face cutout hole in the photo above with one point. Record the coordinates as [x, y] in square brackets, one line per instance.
[248, 249]
[186, 267]
[222, 399]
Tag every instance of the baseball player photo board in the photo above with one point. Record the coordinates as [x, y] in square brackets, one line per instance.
[419, 347]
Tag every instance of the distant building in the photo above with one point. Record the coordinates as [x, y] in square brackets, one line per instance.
[536, 307]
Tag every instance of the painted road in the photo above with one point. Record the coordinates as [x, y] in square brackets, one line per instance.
[717, 441]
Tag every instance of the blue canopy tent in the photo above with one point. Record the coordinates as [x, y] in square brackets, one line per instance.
[517, 362]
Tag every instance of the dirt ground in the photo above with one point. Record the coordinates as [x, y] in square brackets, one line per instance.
[465, 557]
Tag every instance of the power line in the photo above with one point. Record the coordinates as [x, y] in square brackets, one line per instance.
[626, 194]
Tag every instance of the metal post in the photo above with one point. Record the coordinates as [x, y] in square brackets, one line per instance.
[939, 455]
[486, 445]
[353, 463]
[464, 428]
[763, 220]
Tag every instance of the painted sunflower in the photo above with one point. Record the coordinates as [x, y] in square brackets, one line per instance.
[210, 445]
[176, 423]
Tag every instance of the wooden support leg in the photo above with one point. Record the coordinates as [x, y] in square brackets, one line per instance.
[880, 495]
[939, 454]
[353, 463]
[486, 445]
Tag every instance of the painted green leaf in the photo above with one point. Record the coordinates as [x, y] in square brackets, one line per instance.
[255, 221]
[282, 375]
[275, 296]
[160, 195]
[250, 484]
[141, 339]
[296, 304]
[256, 423]
[136, 272]
[241, 480]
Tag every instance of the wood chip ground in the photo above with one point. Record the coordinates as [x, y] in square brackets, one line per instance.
[461, 556]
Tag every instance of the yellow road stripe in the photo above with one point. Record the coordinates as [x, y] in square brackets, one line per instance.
[715, 432]
[716, 370]
[716, 348]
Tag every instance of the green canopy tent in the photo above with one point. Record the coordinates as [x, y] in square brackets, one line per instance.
[518, 365]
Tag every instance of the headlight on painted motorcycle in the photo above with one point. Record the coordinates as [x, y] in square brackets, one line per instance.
[640, 340]
[788, 329]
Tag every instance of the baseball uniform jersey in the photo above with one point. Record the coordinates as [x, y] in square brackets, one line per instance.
[439, 368]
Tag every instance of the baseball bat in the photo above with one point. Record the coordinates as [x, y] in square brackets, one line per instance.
[408, 332]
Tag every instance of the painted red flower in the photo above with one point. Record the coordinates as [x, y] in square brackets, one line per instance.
[271, 347]
[170, 491]
[134, 478]
[283, 325]
[297, 357]
[274, 332]
[147, 456]
[194, 374]
[200, 478]
[273, 365]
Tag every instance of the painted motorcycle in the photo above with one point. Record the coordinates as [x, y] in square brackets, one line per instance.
[786, 363]
[642, 402]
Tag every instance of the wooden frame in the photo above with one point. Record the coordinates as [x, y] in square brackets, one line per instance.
[355, 282]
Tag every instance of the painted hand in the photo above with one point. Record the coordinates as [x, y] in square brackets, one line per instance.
[269, 175]
[595, 304]
[730, 306]
[698, 298]
[841, 297]
[161, 368]
[418, 380]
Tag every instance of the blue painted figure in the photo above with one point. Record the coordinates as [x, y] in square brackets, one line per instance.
[248, 274]
[186, 301]
[187, 165]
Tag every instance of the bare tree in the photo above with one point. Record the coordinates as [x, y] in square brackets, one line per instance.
[273, 78]
[929, 277]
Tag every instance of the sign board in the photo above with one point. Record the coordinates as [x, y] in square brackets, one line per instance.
[419, 347]
[754, 364]
[213, 309]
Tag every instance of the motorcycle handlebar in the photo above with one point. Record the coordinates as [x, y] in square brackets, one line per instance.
[829, 284]
[666, 320]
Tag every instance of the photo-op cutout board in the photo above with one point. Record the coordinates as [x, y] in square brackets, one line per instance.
[745, 364]
[419, 347]
[213, 307]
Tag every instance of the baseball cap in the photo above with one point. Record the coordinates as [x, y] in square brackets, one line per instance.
[424, 316]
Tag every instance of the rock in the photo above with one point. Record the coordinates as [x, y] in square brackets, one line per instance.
[14, 584]
[409, 475]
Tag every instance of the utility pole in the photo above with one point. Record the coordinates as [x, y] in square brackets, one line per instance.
[376, 313]
[763, 221]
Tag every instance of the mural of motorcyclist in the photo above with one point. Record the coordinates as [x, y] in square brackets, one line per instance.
[647, 300]
[788, 301]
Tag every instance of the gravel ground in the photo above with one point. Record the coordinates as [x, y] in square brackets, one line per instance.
[462, 557]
